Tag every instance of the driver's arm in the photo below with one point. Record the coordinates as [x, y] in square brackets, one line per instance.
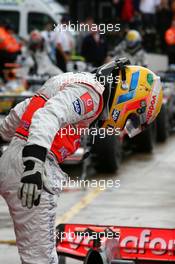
[12, 120]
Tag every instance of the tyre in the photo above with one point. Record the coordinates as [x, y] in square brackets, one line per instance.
[162, 125]
[94, 257]
[61, 260]
[144, 142]
[106, 154]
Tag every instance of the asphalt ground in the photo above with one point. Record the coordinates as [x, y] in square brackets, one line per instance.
[145, 197]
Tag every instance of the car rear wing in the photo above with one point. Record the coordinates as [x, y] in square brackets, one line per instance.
[129, 244]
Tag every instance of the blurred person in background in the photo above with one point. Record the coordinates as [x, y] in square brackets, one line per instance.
[94, 48]
[86, 26]
[118, 7]
[49, 37]
[34, 58]
[10, 47]
[134, 50]
[173, 9]
[64, 43]
[148, 9]
[164, 18]
[131, 48]
[127, 12]
[137, 20]
[170, 42]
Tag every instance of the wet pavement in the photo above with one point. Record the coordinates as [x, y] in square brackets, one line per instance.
[145, 197]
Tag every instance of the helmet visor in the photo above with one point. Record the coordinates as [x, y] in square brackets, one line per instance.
[130, 129]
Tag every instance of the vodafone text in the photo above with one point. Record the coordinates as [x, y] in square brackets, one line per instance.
[139, 244]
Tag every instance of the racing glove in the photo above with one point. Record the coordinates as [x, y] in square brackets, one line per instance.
[32, 181]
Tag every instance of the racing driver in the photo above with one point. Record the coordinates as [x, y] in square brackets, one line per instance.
[30, 176]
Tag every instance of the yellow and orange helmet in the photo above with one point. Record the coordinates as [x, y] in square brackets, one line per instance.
[135, 98]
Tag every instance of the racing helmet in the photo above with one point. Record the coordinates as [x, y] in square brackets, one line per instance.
[133, 98]
[36, 41]
[133, 39]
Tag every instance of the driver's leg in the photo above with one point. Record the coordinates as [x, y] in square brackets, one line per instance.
[35, 229]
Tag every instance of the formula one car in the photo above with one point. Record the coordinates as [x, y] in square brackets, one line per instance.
[96, 244]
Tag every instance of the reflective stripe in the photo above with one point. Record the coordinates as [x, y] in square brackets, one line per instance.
[36, 103]
[8, 42]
